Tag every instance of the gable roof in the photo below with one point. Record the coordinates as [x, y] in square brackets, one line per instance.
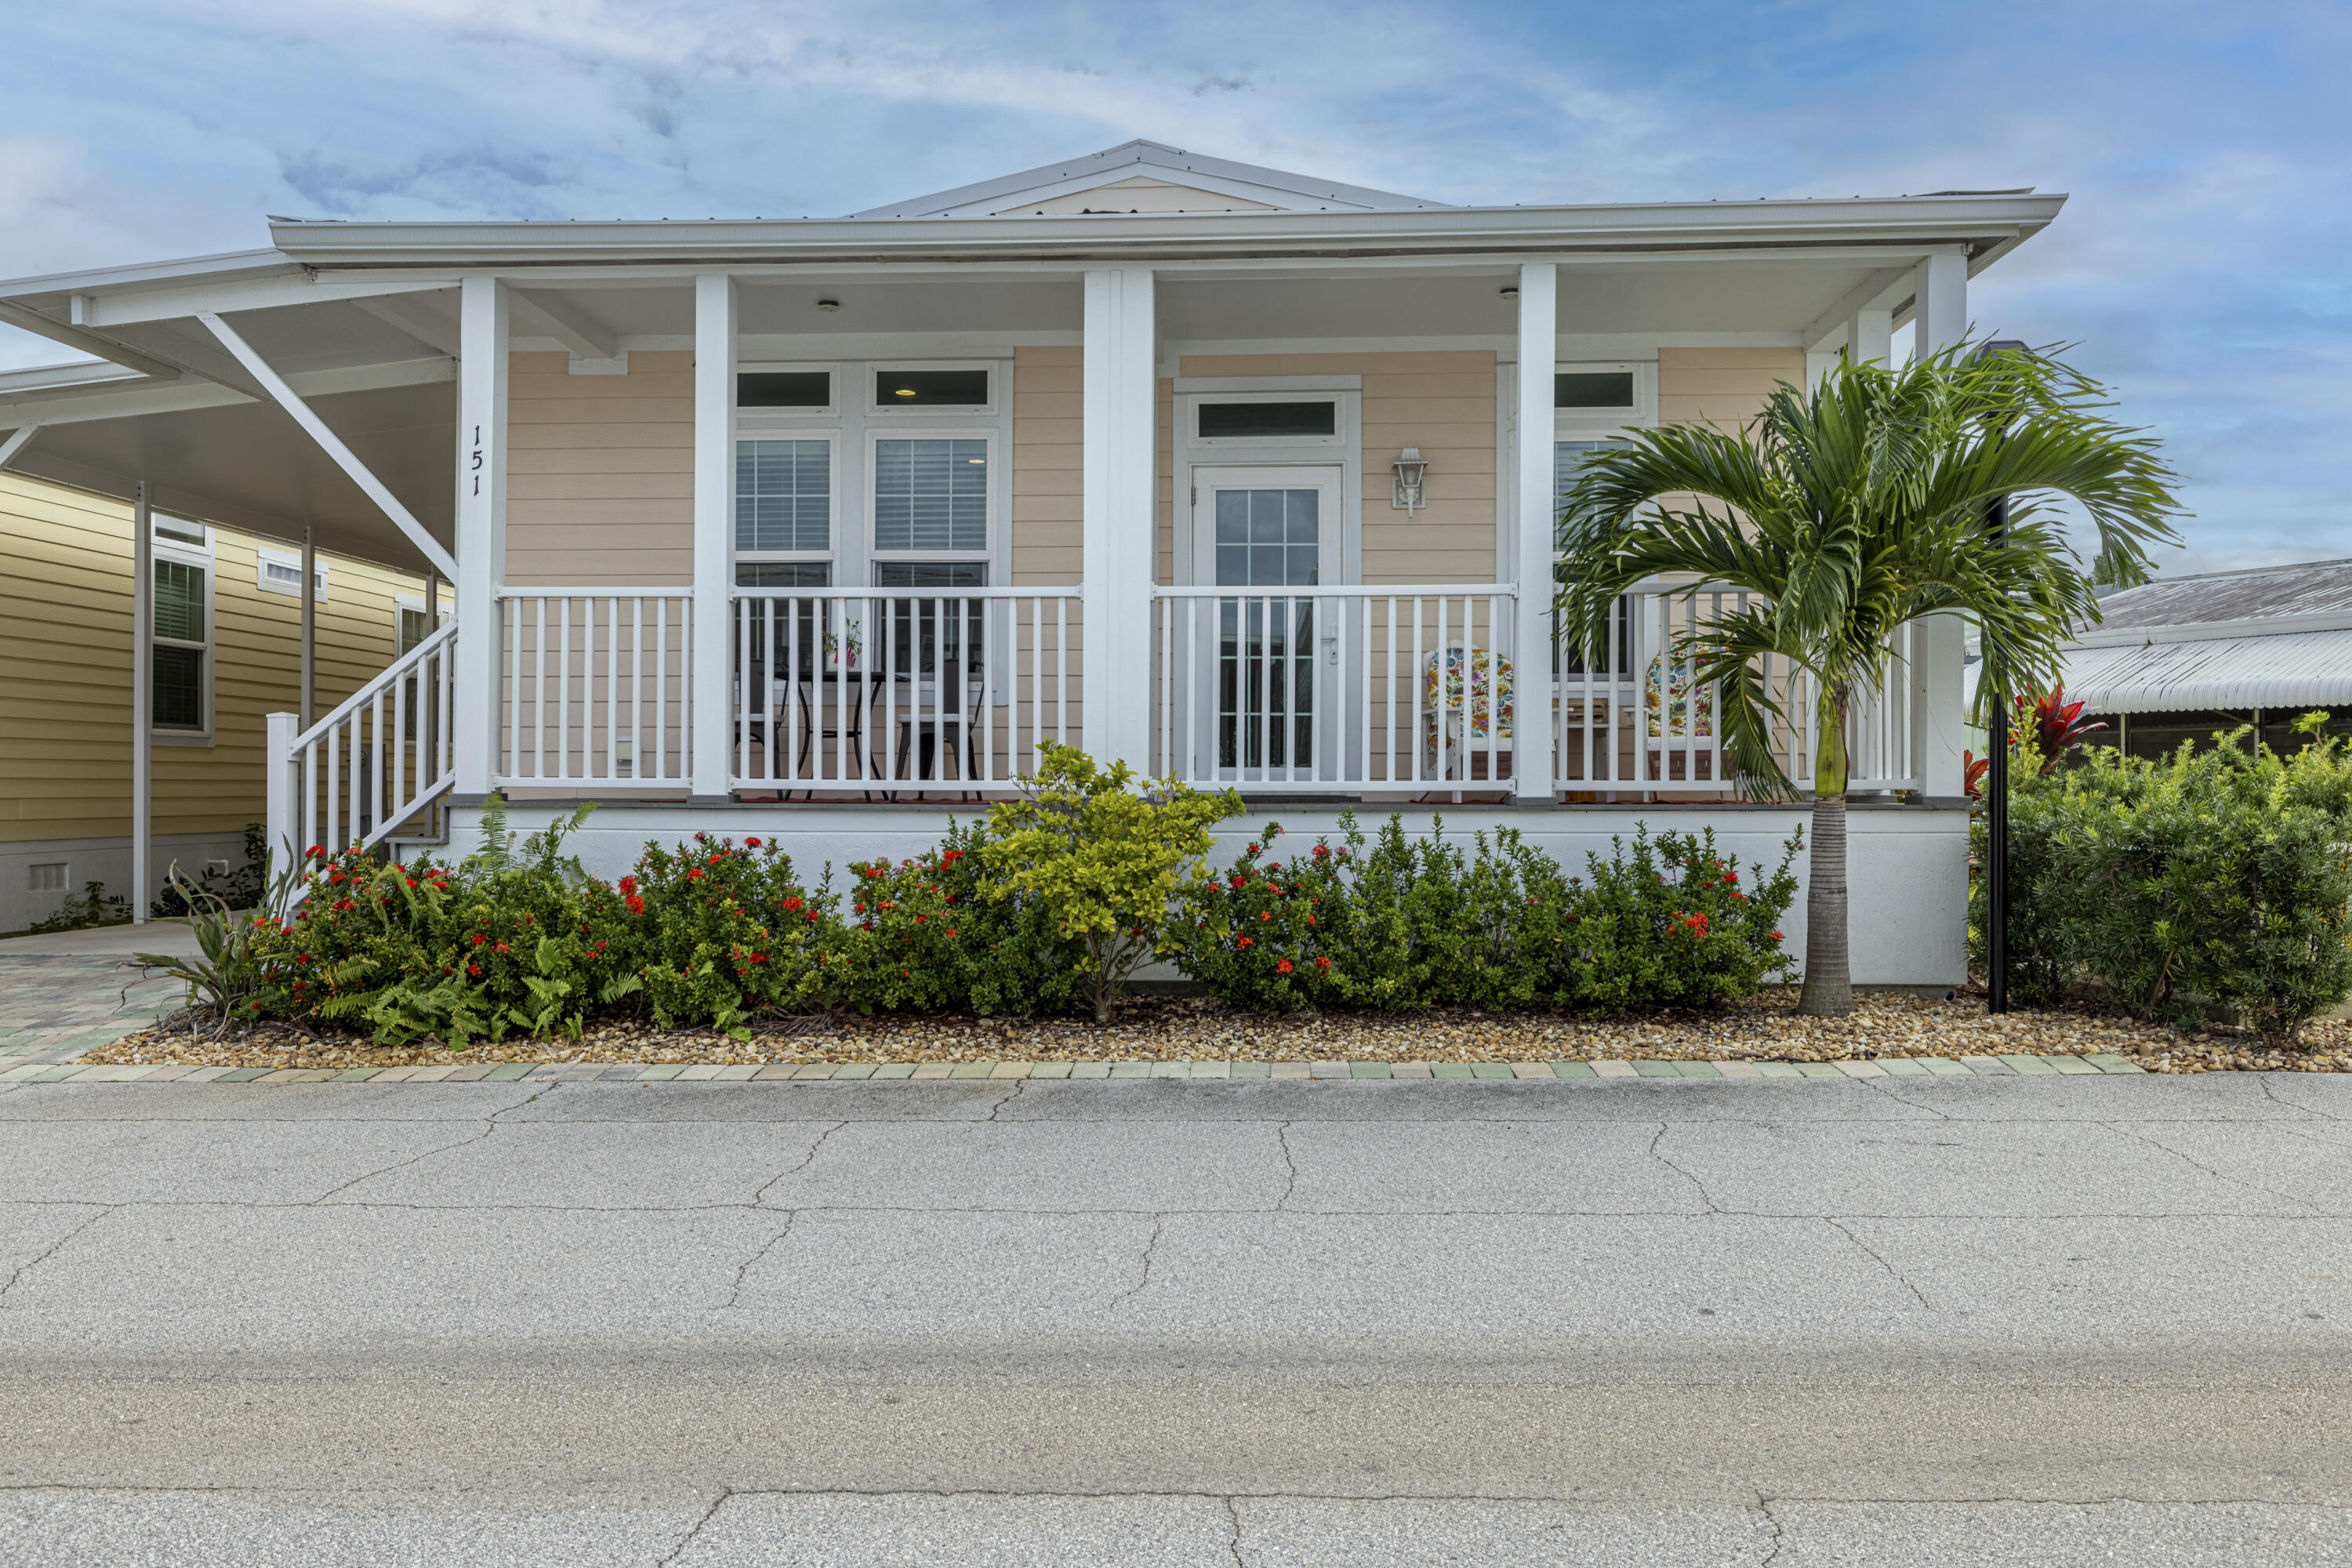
[1244, 187]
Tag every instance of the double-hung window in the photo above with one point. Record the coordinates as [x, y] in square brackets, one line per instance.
[931, 531]
[180, 631]
[783, 512]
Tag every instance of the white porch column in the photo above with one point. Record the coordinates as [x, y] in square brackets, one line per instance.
[310, 628]
[481, 531]
[1531, 733]
[1939, 315]
[1870, 337]
[1122, 413]
[143, 699]
[711, 698]
[1938, 733]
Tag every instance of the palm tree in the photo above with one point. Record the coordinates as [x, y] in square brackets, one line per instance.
[1846, 512]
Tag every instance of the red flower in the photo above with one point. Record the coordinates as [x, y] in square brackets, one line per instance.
[1776, 936]
[791, 903]
[696, 872]
[812, 915]
[1265, 914]
[752, 843]
[628, 886]
[951, 931]
[1245, 941]
[314, 850]
[1322, 964]
[412, 881]
[480, 938]
[1321, 850]
[473, 969]
[1283, 968]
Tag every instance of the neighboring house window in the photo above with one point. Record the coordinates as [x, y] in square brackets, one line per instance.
[783, 513]
[180, 635]
[280, 572]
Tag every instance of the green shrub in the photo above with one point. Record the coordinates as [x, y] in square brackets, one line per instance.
[1420, 922]
[1264, 936]
[711, 933]
[922, 936]
[1668, 924]
[2214, 876]
[1102, 856]
[93, 906]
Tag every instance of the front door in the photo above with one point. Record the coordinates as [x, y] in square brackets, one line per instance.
[1266, 533]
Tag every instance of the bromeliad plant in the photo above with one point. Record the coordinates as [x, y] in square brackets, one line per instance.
[1849, 511]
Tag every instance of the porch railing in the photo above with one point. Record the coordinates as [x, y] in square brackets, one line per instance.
[596, 688]
[864, 689]
[380, 758]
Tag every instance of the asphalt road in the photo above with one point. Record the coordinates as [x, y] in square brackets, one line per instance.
[2047, 1321]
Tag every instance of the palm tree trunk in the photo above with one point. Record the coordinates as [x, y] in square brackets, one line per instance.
[1829, 976]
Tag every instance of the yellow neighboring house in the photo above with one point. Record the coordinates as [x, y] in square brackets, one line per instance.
[228, 649]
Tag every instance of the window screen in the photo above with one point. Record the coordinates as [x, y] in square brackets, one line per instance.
[179, 601]
[1268, 419]
[783, 389]
[1592, 389]
[179, 687]
[930, 388]
[783, 495]
[930, 495]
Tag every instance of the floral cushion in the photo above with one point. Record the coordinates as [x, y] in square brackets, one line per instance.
[1682, 709]
[1486, 672]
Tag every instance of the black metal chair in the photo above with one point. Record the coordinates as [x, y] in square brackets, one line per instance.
[925, 734]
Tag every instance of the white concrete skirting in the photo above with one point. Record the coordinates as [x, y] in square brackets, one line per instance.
[1906, 865]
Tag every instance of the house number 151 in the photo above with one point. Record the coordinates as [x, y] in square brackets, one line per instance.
[477, 464]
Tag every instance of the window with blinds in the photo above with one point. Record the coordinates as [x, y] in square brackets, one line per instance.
[181, 646]
[784, 496]
[931, 495]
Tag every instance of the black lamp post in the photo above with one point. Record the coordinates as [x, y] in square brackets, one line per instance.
[1996, 869]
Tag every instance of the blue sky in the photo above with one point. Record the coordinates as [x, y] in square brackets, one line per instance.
[2202, 263]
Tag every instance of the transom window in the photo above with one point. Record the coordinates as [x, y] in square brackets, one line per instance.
[1268, 419]
[1597, 389]
[930, 388]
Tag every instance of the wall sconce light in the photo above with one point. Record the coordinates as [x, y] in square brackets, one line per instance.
[1411, 481]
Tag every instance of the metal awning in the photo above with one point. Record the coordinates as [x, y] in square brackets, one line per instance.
[2283, 661]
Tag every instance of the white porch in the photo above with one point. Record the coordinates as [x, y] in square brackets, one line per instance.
[559, 416]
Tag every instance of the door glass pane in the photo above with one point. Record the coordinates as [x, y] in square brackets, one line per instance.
[179, 601]
[930, 495]
[1567, 457]
[783, 495]
[1267, 539]
[179, 687]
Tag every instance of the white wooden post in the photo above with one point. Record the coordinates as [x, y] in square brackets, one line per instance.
[310, 628]
[1939, 315]
[1939, 731]
[282, 819]
[143, 699]
[481, 532]
[711, 695]
[1870, 337]
[1532, 719]
[1120, 518]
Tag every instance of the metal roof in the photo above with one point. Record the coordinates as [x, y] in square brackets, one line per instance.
[1137, 156]
[2277, 637]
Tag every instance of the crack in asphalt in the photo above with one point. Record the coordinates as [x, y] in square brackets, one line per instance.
[1290, 1184]
[1764, 1507]
[489, 1127]
[1233, 1544]
[1150, 1247]
[2199, 1165]
[760, 1198]
[696, 1528]
[735, 1291]
[45, 1253]
[1893, 1272]
[1659, 1155]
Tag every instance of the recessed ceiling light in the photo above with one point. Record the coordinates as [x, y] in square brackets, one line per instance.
[828, 304]
[906, 391]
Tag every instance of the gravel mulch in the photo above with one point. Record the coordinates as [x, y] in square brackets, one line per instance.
[1161, 1029]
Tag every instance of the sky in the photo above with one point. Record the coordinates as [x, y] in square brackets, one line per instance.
[2203, 267]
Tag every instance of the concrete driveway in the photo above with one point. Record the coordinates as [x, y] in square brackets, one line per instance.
[2050, 1320]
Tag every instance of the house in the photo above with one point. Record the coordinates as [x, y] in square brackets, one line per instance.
[2177, 659]
[224, 648]
[816, 528]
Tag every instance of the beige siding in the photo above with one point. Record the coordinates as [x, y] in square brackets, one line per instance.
[1048, 458]
[600, 472]
[1441, 402]
[1722, 387]
[65, 647]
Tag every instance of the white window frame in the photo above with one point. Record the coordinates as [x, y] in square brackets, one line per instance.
[805, 430]
[268, 555]
[918, 413]
[1599, 424]
[830, 412]
[1344, 417]
[203, 557]
[993, 554]
[403, 603]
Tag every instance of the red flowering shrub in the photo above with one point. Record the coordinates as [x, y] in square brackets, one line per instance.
[1259, 935]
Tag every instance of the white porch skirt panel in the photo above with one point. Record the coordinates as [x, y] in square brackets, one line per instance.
[1906, 865]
